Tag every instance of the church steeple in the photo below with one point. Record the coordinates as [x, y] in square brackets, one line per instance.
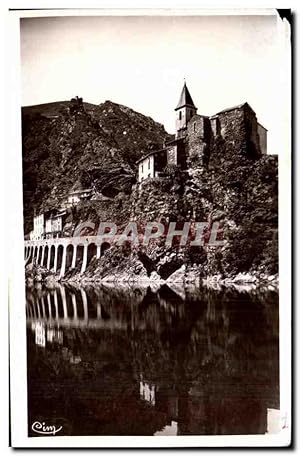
[185, 99]
[185, 109]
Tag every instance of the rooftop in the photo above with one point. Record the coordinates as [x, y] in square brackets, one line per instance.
[185, 98]
[152, 152]
[78, 192]
[242, 105]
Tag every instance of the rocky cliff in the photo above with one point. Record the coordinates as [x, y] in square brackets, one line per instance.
[97, 146]
[67, 144]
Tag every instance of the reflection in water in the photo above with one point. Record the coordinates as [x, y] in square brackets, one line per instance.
[169, 429]
[143, 361]
[147, 392]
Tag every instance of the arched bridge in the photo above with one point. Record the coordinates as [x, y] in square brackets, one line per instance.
[64, 307]
[64, 254]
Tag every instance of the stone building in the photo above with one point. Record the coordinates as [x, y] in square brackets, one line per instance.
[54, 224]
[47, 225]
[77, 194]
[196, 134]
[38, 228]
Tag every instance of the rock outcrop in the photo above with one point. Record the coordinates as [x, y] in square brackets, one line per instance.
[97, 146]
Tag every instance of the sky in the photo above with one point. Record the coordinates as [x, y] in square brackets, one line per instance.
[142, 61]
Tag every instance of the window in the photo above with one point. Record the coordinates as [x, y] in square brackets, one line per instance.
[142, 168]
[149, 163]
[194, 126]
[179, 115]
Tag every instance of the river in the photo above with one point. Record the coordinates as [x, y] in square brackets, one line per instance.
[152, 360]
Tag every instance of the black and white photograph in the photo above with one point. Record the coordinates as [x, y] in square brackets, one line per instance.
[154, 153]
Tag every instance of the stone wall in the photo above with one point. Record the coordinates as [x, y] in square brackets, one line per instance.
[172, 155]
[251, 130]
[239, 129]
[232, 128]
[262, 133]
[215, 126]
[198, 139]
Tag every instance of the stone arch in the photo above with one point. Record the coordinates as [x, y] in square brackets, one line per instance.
[52, 256]
[69, 256]
[79, 256]
[46, 253]
[40, 252]
[91, 252]
[34, 255]
[105, 246]
[60, 251]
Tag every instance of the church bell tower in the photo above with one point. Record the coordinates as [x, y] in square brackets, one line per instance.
[184, 110]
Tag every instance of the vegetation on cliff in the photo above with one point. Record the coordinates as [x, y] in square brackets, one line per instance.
[75, 143]
[66, 144]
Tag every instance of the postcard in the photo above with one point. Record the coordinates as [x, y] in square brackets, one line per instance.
[151, 156]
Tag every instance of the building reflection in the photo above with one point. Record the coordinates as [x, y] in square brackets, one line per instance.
[169, 361]
[54, 335]
[147, 392]
[39, 329]
[274, 422]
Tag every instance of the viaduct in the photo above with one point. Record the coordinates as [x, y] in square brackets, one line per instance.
[61, 255]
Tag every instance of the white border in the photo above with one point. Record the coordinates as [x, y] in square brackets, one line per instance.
[16, 274]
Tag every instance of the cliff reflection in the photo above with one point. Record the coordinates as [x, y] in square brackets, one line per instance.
[136, 361]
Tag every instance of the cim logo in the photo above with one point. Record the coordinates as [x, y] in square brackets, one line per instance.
[42, 428]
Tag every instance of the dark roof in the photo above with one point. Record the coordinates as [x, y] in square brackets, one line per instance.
[174, 141]
[79, 191]
[185, 98]
[60, 214]
[152, 152]
[242, 105]
[258, 123]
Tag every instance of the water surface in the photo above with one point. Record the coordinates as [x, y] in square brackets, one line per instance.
[152, 360]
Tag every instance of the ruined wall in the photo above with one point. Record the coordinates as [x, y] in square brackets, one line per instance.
[215, 126]
[251, 130]
[233, 129]
[262, 133]
[198, 139]
[172, 155]
[238, 128]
